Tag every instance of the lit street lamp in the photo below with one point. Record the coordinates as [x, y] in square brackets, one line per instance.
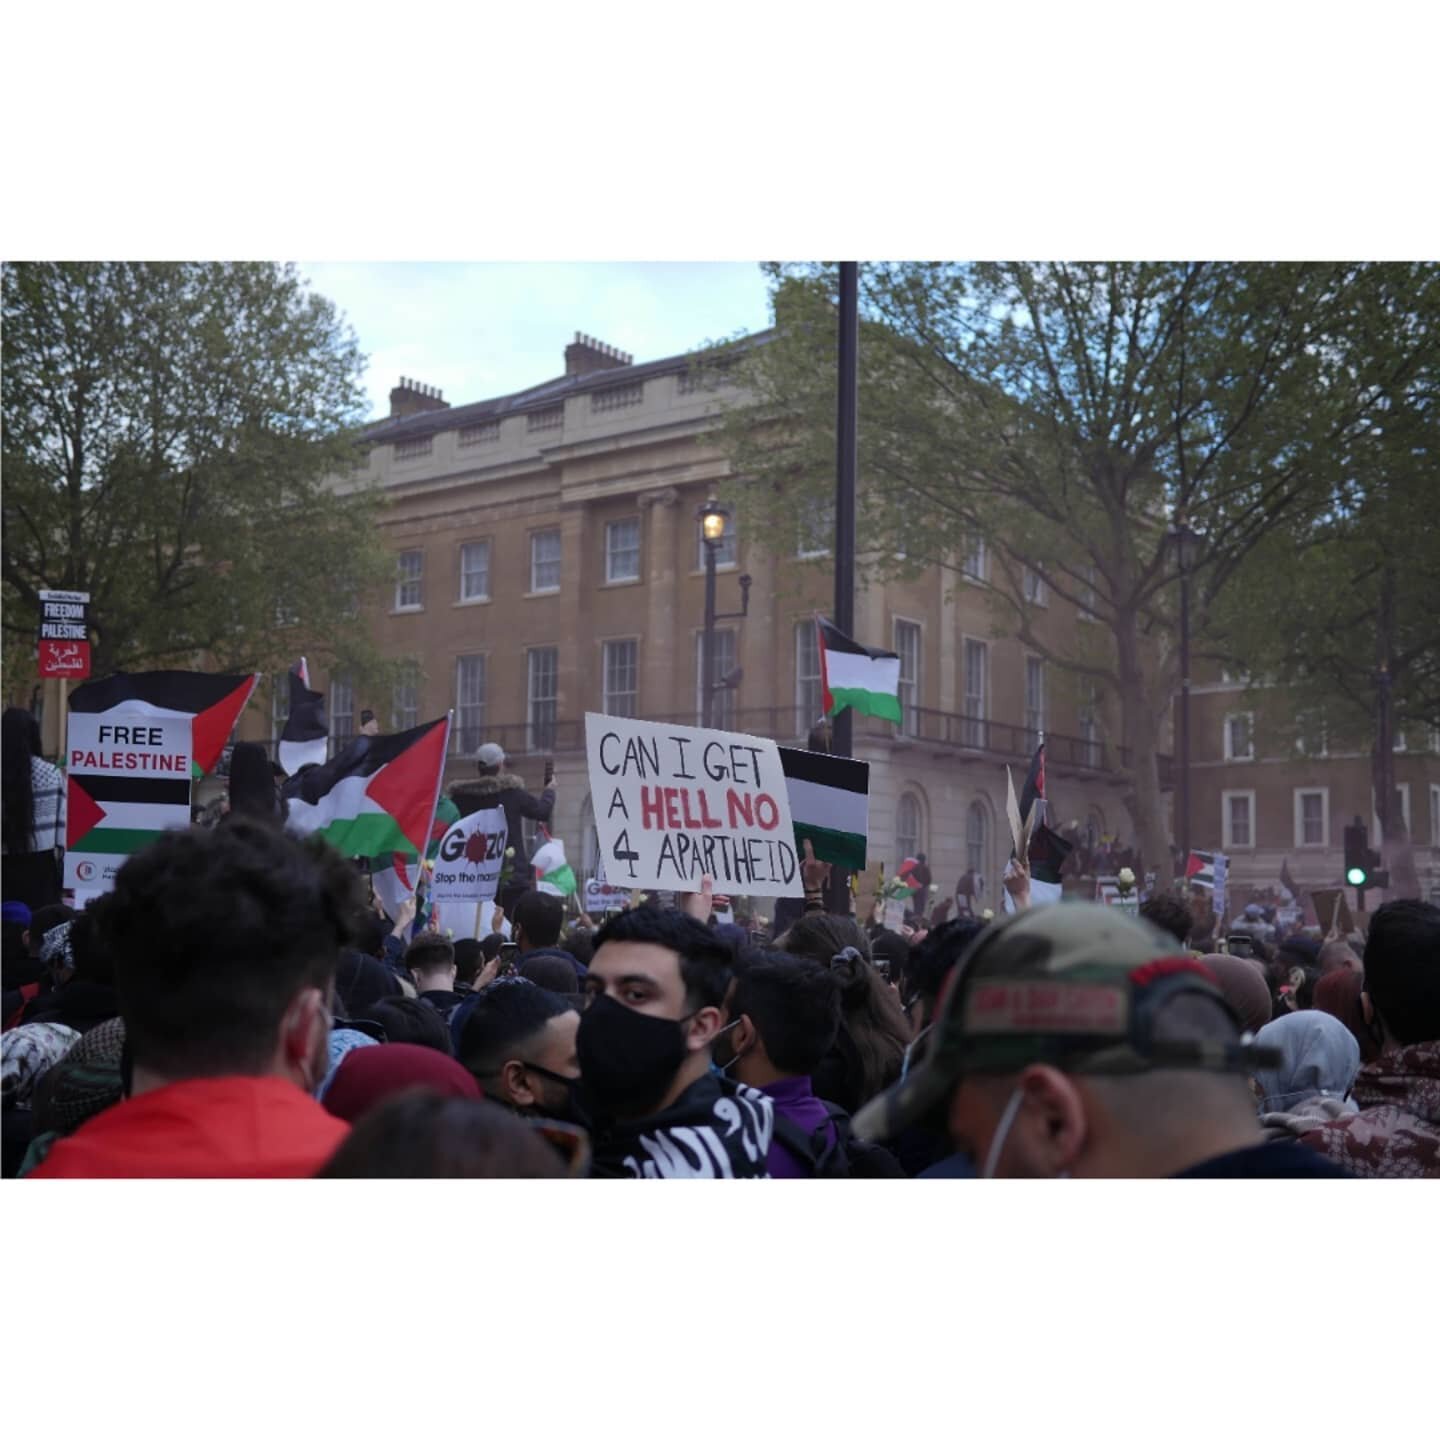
[714, 522]
[1185, 542]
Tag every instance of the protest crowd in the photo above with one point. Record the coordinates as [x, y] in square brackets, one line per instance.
[243, 1004]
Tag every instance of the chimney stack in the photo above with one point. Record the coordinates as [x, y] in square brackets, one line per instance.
[412, 397]
[585, 355]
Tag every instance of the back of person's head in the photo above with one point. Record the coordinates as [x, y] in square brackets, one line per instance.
[428, 1137]
[469, 959]
[506, 1022]
[373, 932]
[252, 785]
[1170, 914]
[19, 744]
[1338, 994]
[892, 948]
[1319, 1057]
[540, 917]
[90, 947]
[407, 1020]
[429, 955]
[873, 1021]
[1402, 969]
[370, 1074]
[794, 1005]
[820, 936]
[1298, 950]
[550, 972]
[936, 956]
[360, 981]
[1243, 984]
[1337, 955]
[490, 947]
[215, 933]
[44, 920]
[705, 962]
[579, 943]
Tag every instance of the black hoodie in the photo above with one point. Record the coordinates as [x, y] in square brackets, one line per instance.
[509, 793]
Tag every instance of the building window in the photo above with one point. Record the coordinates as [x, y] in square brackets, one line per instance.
[710, 375]
[1312, 818]
[907, 646]
[1087, 594]
[977, 842]
[909, 840]
[1238, 817]
[817, 529]
[727, 549]
[1312, 736]
[1089, 718]
[483, 434]
[976, 666]
[1033, 585]
[976, 563]
[409, 573]
[342, 711]
[1403, 789]
[809, 693]
[622, 676]
[544, 562]
[1240, 736]
[1034, 698]
[1397, 742]
[551, 418]
[469, 703]
[279, 704]
[1435, 816]
[543, 690]
[622, 550]
[617, 397]
[405, 701]
[724, 717]
[475, 570]
[414, 449]
[1435, 739]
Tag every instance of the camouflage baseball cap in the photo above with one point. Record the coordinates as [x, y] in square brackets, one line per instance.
[1075, 986]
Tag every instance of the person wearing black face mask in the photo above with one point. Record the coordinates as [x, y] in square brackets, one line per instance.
[657, 984]
[518, 1041]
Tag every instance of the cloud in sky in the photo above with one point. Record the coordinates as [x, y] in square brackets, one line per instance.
[486, 329]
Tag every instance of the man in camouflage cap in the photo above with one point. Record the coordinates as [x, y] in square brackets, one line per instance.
[1077, 1040]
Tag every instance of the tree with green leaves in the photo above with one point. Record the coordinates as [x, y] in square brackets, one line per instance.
[1066, 415]
[171, 434]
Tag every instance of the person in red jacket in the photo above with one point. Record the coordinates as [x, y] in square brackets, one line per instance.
[226, 943]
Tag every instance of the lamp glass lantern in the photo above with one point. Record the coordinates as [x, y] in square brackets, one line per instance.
[714, 518]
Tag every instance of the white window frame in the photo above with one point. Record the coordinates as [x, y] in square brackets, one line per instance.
[1403, 786]
[609, 696]
[1249, 717]
[814, 512]
[535, 562]
[341, 685]
[462, 705]
[1087, 721]
[920, 846]
[725, 700]
[404, 579]
[1032, 586]
[808, 715]
[1435, 816]
[1085, 610]
[980, 732]
[727, 549]
[1300, 792]
[1231, 843]
[1038, 729]
[910, 689]
[976, 550]
[465, 574]
[535, 738]
[1398, 741]
[611, 529]
[977, 809]
[409, 717]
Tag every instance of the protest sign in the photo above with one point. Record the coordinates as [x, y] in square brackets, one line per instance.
[600, 897]
[894, 915]
[1333, 912]
[127, 780]
[675, 802]
[470, 858]
[64, 639]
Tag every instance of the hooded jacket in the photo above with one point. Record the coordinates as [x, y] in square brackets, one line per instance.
[718, 1129]
[1319, 1060]
[1397, 1131]
[509, 793]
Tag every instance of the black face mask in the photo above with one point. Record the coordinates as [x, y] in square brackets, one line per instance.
[627, 1060]
[572, 1112]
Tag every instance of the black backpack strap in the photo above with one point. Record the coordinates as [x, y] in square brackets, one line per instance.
[814, 1149]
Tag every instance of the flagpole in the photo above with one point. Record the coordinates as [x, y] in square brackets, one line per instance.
[841, 728]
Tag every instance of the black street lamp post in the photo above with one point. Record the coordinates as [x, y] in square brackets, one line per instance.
[714, 521]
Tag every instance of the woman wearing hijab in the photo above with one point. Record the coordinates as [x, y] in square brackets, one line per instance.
[1243, 984]
[1319, 1061]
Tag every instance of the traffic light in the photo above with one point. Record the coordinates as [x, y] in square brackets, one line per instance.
[1357, 856]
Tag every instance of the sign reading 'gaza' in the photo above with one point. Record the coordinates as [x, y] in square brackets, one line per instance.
[674, 803]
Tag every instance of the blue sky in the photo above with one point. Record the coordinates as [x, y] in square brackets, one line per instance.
[485, 329]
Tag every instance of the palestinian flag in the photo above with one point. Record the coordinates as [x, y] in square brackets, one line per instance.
[382, 798]
[394, 877]
[829, 804]
[1047, 854]
[853, 674]
[213, 701]
[553, 875]
[1200, 869]
[1034, 786]
[305, 738]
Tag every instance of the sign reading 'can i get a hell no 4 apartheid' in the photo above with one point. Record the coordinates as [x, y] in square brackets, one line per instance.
[674, 803]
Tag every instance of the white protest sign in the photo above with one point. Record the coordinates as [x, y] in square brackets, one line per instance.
[1222, 869]
[675, 802]
[471, 856]
[128, 780]
[894, 915]
[600, 897]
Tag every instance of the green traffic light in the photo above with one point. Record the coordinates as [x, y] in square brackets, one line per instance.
[1355, 875]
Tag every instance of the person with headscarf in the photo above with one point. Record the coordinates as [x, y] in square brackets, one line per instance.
[1242, 982]
[26, 1054]
[89, 1079]
[369, 1075]
[1319, 1061]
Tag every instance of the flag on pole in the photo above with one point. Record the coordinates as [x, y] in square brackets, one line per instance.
[1034, 788]
[829, 804]
[394, 876]
[211, 702]
[305, 738]
[853, 674]
[1287, 881]
[554, 875]
[1048, 853]
[378, 800]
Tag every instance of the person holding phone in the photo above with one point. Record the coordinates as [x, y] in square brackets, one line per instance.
[495, 786]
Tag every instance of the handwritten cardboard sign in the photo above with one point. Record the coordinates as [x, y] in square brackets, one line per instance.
[675, 802]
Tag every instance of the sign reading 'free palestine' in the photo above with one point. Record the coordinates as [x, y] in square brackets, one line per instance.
[674, 803]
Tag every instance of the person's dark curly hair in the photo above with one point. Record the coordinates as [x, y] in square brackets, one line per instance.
[1169, 914]
[705, 960]
[214, 933]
